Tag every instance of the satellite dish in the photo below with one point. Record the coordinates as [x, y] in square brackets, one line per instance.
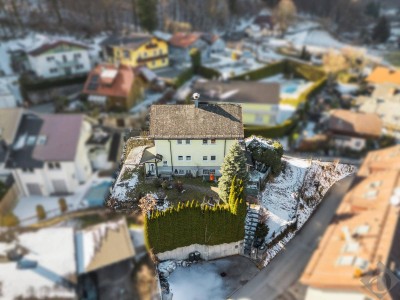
[196, 96]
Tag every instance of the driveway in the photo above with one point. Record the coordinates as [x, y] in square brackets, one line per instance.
[287, 267]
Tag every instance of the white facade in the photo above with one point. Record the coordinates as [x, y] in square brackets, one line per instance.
[57, 177]
[8, 98]
[199, 157]
[55, 63]
[353, 143]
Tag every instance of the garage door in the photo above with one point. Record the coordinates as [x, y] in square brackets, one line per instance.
[34, 189]
[60, 187]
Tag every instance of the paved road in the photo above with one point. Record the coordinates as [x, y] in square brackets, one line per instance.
[288, 266]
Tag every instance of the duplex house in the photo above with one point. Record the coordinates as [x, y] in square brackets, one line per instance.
[361, 243]
[349, 129]
[137, 50]
[111, 86]
[191, 138]
[48, 155]
[59, 58]
[259, 100]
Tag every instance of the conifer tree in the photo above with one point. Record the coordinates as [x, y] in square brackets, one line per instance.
[234, 165]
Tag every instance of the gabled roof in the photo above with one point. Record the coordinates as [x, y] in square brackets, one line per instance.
[188, 121]
[48, 46]
[384, 75]
[132, 41]
[343, 121]
[183, 39]
[238, 91]
[102, 245]
[109, 80]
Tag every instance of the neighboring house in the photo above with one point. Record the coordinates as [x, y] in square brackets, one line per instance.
[181, 44]
[191, 138]
[385, 102]
[111, 87]
[48, 155]
[9, 122]
[10, 95]
[350, 130]
[99, 147]
[263, 25]
[362, 239]
[59, 59]
[216, 44]
[137, 50]
[384, 75]
[259, 100]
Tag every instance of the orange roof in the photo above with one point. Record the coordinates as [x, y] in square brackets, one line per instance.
[356, 123]
[383, 159]
[109, 80]
[361, 234]
[184, 40]
[384, 75]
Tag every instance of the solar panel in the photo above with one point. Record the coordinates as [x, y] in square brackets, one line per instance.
[92, 86]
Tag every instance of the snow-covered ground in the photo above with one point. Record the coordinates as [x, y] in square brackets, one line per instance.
[280, 195]
[148, 100]
[26, 207]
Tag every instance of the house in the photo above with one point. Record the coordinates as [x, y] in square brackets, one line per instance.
[181, 44]
[259, 100]
[384, 101]
[384, 75]
[111, 87]
[362, 240]
[48, 154]
[38, 263]
[9, 122]
[191, 139]
[263, 25]
[136, 50]
[350, 130]
[59, 58]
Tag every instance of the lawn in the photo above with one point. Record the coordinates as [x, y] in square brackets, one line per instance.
[393, 58]
[194, 189]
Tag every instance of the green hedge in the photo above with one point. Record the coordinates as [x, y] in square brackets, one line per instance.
[305, 71]
[41, 84]
[208, 73]
[183, 77]
[270, 132]
[190, 223]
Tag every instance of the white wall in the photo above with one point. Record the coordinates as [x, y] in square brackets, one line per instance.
[82, 162]
[41, 66]
[206, 252]
[196, 150]
[319, 294]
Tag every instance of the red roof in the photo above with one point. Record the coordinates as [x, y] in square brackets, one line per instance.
[109, 80]
[184, 40]
[45, 47]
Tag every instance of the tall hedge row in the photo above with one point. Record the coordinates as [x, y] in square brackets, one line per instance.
[190, 223]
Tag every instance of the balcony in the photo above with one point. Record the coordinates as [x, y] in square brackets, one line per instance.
[151, 58]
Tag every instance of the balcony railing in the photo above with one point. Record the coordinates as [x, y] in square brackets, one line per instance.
[151, 58]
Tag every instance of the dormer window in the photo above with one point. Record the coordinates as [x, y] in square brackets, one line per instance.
[42, 139]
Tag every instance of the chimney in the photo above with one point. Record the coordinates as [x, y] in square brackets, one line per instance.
[195, 98]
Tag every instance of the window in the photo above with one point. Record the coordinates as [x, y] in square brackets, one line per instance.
[54, 165]
[213, 157]
[205, 141]
[65, 58]
[57, 165]
[31, 140]
[27, 170]
[126, 54]
[212, 171]
[213, 141]
[145, 54]
[41, 140]
[205, 158]
[77, 55]
[188, 157]
[50, 165]
[181, 171]
[179, 142]
[187, 142]
[165, 163]
[160, 51]
[153, 63]
[80, 66]
[53, 70]
[206, 172]
[50, 58]
[180, 157]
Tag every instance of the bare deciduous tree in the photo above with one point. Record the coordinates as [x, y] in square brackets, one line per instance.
[285, 14]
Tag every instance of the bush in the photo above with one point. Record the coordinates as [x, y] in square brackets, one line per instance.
[183, 77]
[261, 230]
[157, 183]
[271, 132]
[63, 205]
[165, 184]
[40, 212]
[179, 186]
[9, 220]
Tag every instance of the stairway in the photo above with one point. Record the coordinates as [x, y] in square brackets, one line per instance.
[252, 219]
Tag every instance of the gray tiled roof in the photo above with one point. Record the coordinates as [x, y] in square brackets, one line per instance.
[222, 121]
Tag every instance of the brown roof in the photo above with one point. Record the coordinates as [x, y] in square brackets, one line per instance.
[9, 122]
[363, 231]
[119, 86]
[187, 121]
[238, 91]
[62, 133]
[383, 159]
[184, 40]
[343, 121]
[45, 47]
[384, 75]
[132, 41]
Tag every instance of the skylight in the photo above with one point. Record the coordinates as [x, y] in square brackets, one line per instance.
[371, 194]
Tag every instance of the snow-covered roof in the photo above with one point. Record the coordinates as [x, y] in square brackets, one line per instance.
[54, 276]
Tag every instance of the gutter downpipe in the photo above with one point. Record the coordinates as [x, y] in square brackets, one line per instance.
[170, 152]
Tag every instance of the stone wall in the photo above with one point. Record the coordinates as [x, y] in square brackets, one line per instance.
[206, 252]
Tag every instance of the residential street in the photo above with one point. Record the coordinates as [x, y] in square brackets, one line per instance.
[288, 266]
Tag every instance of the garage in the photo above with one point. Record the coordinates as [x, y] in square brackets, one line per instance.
[34, 189]
[60, 187]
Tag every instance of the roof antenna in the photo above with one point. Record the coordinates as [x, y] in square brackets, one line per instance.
[195, 98]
